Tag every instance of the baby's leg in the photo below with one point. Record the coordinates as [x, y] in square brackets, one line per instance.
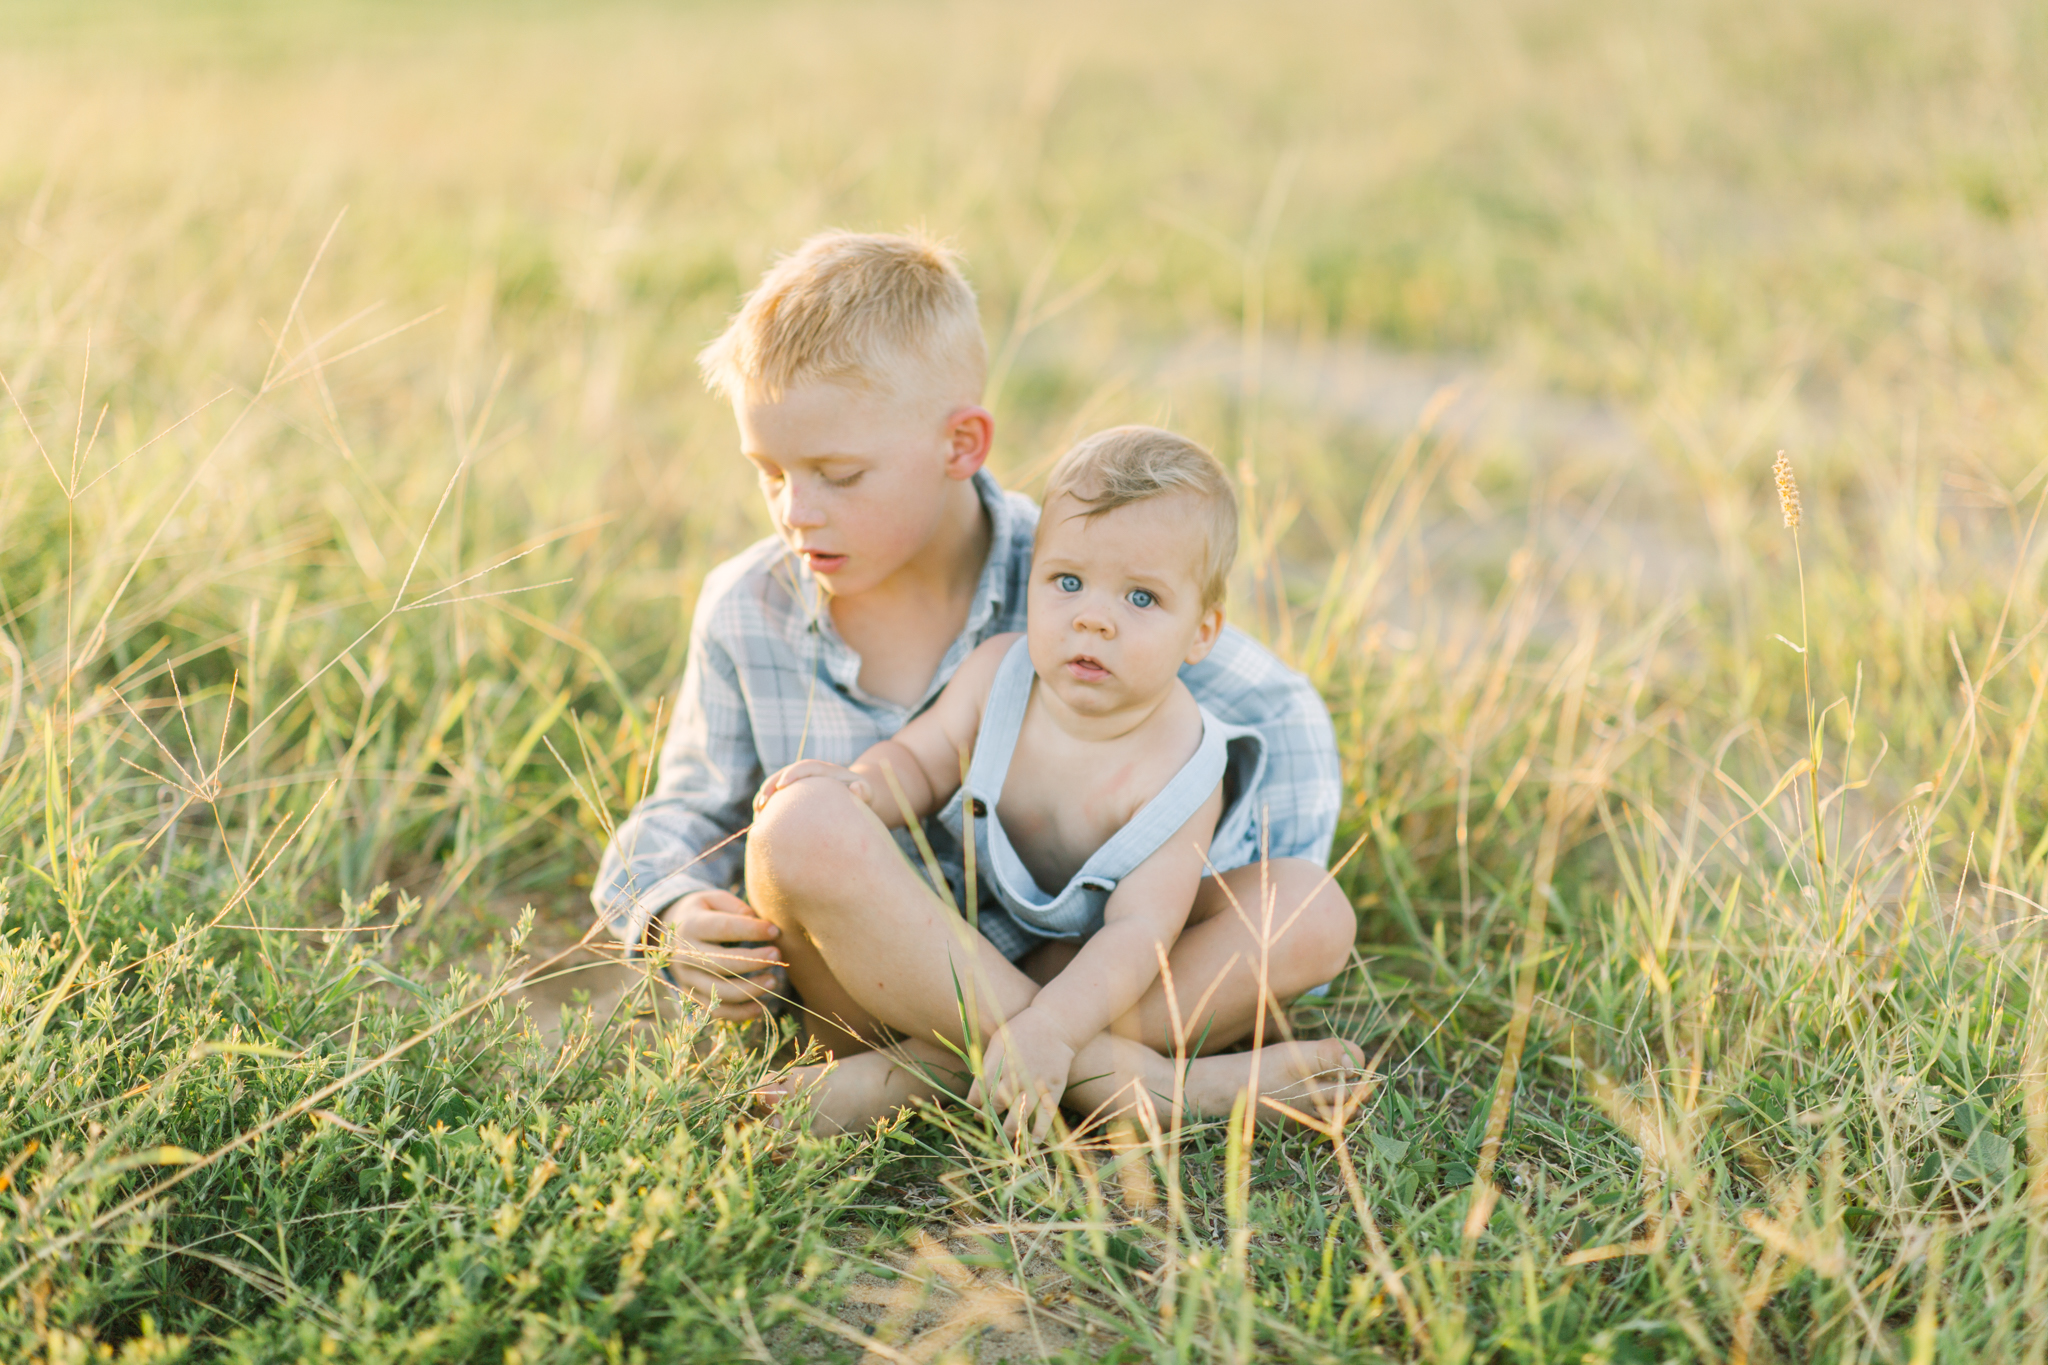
[1258, 935]
[850, 1093]
[1111, 1074]
[869, 947]
[872, 950]
[1108, 1077]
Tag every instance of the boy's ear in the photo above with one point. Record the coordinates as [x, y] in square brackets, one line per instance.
[1206, 631]
[969, 434]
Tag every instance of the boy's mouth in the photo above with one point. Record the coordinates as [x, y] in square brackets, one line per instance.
[1086, 669]
[821, 562]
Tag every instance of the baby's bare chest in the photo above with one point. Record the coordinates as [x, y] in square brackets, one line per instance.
[1060, 803]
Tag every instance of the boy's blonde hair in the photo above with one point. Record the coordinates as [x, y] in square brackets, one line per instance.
[1123, 465]
[880, 311]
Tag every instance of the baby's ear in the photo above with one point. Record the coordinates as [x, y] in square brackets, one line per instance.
[1206, 631]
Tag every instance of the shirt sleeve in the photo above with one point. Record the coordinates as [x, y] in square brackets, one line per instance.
[686, 835]
[1302, 792]
[1304, 786]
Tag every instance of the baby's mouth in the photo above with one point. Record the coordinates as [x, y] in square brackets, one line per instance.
[1087, 669]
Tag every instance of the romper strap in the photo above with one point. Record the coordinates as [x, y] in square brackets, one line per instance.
[1160, 818]
[1002, 719]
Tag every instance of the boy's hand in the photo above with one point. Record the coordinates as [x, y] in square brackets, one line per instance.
[699, 933]
[813, 767]
[1024, 1071]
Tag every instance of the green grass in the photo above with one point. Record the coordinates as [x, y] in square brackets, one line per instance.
[1727, 1090]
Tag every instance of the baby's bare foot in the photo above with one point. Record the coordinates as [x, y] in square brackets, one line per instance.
[1313, 1077]
[843, 1095]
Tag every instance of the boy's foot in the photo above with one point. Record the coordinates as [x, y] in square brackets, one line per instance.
[1314, 1077]
[843, 1095]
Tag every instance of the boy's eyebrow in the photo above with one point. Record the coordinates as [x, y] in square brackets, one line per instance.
[760, 457]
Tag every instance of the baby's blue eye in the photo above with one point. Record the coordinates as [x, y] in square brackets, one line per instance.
[1139, 598]
[1069, 582]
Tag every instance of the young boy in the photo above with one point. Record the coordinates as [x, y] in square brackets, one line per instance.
[855, 372]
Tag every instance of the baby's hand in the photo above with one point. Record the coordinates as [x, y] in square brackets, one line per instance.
[1024, 1071]
[811, 767]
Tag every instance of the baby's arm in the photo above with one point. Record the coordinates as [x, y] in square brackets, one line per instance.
[924, 756]
[1027, 1064]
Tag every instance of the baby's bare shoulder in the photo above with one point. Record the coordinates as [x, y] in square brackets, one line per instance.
[967, 692]
[988, 655]
[978, 670]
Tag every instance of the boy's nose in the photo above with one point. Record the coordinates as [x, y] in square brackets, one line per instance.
[800, 511]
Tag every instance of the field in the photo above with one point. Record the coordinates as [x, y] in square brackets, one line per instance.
[356, 486]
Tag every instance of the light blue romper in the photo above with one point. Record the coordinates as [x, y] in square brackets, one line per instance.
[1012, 911]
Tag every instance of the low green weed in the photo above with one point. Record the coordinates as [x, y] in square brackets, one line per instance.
[274, 1143]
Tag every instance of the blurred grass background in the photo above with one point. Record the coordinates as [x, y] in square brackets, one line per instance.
[1501, 310]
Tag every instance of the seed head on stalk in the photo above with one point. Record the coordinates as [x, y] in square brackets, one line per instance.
[1788, 491]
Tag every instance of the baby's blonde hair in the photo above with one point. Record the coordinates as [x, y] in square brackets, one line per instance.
[882, 311]
[1123, 465]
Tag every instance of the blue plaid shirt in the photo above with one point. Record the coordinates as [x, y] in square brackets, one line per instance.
[768, 681]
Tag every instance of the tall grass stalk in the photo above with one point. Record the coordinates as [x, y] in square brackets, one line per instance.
[1789, 506]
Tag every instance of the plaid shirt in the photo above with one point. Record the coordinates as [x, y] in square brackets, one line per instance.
[768, 681]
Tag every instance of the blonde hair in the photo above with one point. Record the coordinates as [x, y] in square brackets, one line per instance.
[871, 309]
[1123, 465]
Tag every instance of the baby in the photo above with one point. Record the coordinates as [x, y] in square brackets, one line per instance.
[1097, 783]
